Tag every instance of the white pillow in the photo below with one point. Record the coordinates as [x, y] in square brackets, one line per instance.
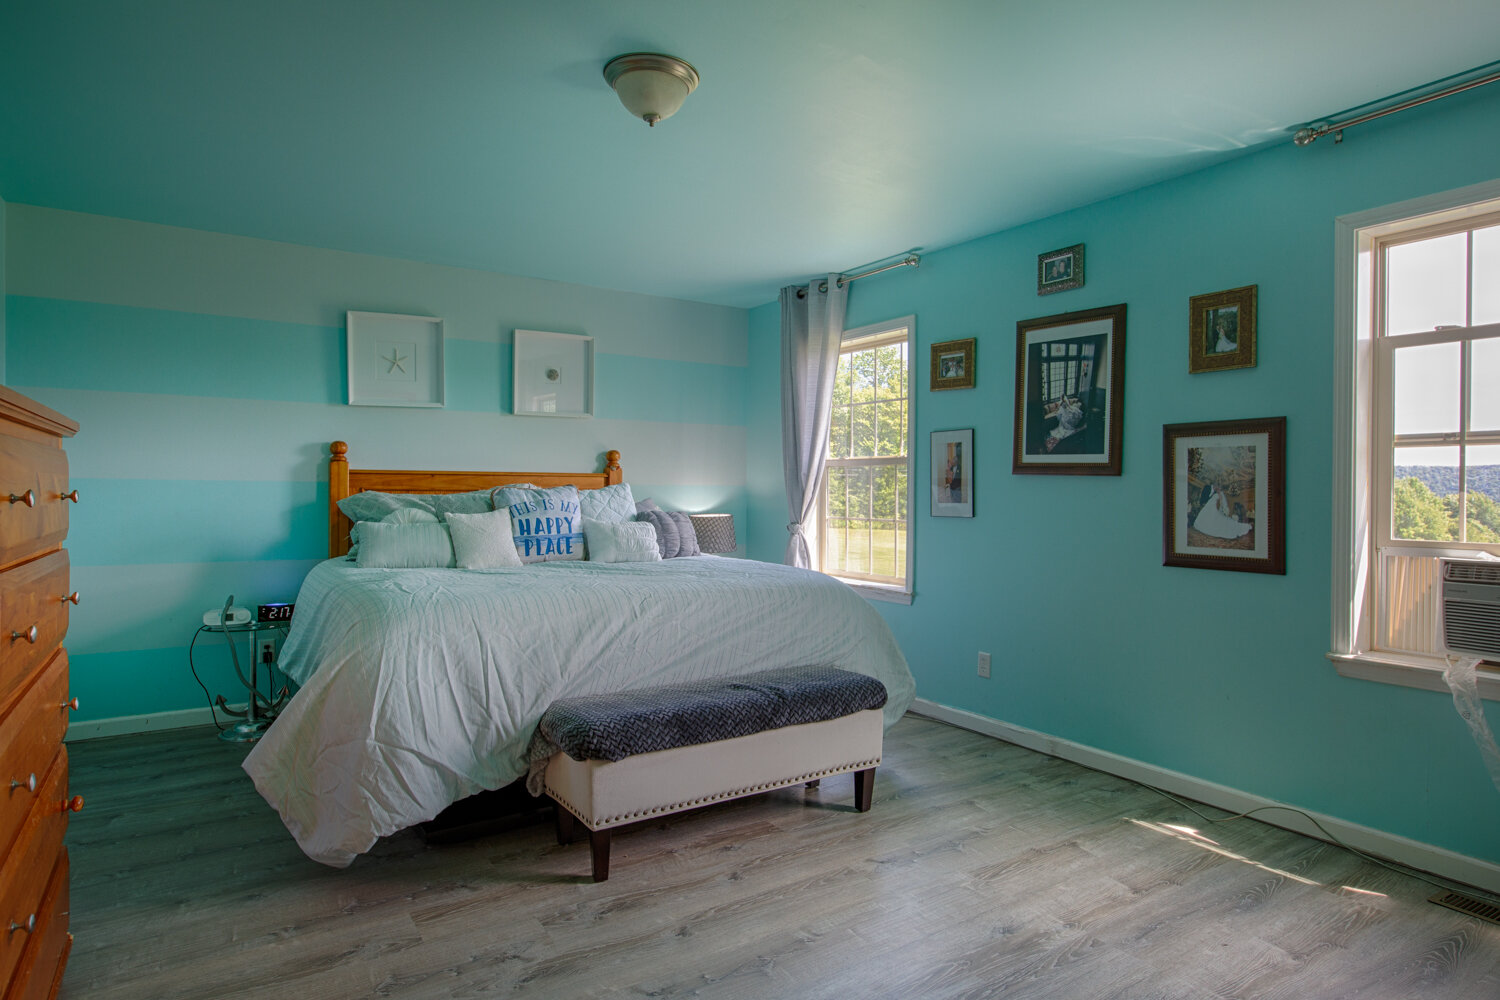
[409, 545]
[483, 541]
[546, 523]
[609, 503]
[621, 541]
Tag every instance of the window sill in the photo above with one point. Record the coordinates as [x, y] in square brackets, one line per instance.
[876, 591]
[1410, 670]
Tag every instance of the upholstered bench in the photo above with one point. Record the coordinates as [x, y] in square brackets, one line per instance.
[616, 759]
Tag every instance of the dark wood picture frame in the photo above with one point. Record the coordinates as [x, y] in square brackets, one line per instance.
[1224, 495]
[1070, 393]
[1059, 270]
[1221, 330]
[952, 365]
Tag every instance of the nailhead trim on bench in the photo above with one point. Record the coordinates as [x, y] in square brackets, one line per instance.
[719, 797]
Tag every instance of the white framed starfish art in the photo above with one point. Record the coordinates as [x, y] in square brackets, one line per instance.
[395, 360]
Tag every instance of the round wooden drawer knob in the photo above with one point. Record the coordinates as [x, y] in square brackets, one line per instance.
[29, 635]
[73, 496]
[29, 784]
[28, 926]
[75, 804]
[70, 598]
[28, 498]
[71, 703]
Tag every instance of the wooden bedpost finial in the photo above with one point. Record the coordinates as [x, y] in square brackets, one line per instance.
[338, 452]
[611, 461]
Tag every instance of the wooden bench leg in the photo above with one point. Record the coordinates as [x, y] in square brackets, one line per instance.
[599, 843]
[864, 789]
[565, 824]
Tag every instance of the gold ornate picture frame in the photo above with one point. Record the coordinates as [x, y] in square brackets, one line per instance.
[1221, 330]
[952, 365]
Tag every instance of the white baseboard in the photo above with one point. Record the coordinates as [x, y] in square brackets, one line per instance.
[123, 725]
[1413, 853]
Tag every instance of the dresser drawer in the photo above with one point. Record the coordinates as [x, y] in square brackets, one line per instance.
[28, 865]
[30, 737]
[42, 472]
[33, 595]
[39, 973]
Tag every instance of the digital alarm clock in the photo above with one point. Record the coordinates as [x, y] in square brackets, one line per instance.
[274, 612]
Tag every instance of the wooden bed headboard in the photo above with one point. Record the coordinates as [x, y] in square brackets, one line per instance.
[344, 481]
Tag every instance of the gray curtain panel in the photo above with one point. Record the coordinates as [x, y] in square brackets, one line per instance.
[812, 328]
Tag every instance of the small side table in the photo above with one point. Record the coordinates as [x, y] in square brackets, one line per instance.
[255, 720]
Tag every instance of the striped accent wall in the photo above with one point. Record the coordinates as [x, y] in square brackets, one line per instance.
[207, 374]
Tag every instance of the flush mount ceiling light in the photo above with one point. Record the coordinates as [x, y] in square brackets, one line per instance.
[650, 85]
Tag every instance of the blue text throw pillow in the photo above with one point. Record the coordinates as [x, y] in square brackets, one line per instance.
[547, 524]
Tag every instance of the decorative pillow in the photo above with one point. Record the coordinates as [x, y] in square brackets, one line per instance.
[546, 523]
[372, 505]
[612, 503]
[393, 545]
[674, 532]
[687, 534]
[641, 506]
[621, 541]
[483, 541]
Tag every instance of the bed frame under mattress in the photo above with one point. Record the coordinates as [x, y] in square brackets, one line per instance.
[344, 481]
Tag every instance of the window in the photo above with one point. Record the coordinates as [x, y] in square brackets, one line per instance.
[1422, 445]
[866, 528]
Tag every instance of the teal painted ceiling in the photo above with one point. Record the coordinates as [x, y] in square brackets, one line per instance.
[826, 134]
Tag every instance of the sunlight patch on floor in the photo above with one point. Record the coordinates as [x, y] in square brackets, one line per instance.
[1190, 836]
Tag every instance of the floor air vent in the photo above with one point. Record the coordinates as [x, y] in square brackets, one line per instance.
[1467, 904]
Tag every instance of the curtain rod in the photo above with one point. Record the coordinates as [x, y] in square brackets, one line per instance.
[910, 260]
[1306, 135]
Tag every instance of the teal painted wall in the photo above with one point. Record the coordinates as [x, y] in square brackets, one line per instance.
[1219, 675]
[207, 374]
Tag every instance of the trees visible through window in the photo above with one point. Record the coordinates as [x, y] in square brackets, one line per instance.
[1435, 484]
[866, 523]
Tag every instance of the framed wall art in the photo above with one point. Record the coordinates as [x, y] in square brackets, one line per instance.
[953, 473]
[1059, 270]
[394, 360]
[952, 365]
[1070, 393]
[1224, 495]
[553, 374]
[1221, 330]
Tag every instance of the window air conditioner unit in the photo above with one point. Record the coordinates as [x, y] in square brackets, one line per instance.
[1471, 607]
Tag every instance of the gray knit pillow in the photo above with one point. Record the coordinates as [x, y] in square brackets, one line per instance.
[674, 532]
[668, 542]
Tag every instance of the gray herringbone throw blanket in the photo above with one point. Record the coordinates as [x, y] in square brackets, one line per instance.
[616, 726]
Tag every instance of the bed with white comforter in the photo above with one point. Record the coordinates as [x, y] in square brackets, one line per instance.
[421, 687]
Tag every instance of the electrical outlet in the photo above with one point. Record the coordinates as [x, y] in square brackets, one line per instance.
[268, 650]
[984, 664]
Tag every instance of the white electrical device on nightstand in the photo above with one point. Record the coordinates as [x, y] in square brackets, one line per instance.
[235, 615]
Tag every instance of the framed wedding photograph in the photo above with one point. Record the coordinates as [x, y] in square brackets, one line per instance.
[394, 360]
[1059, 270]
[953, 473]
[1070, 393]
[952, 365]
[553, 374]
[1221, 330]
[1224, 495]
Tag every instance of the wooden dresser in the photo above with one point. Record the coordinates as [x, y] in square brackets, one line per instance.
[34, 600]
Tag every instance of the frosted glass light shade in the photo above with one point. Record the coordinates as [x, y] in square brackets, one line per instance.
[651, 86]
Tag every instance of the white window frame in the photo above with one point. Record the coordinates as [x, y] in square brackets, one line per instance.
[1358, 442]
[877, 590]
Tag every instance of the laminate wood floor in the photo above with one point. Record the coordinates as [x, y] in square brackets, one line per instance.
[983, 870]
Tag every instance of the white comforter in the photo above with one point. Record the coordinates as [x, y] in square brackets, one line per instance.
[422, 687]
